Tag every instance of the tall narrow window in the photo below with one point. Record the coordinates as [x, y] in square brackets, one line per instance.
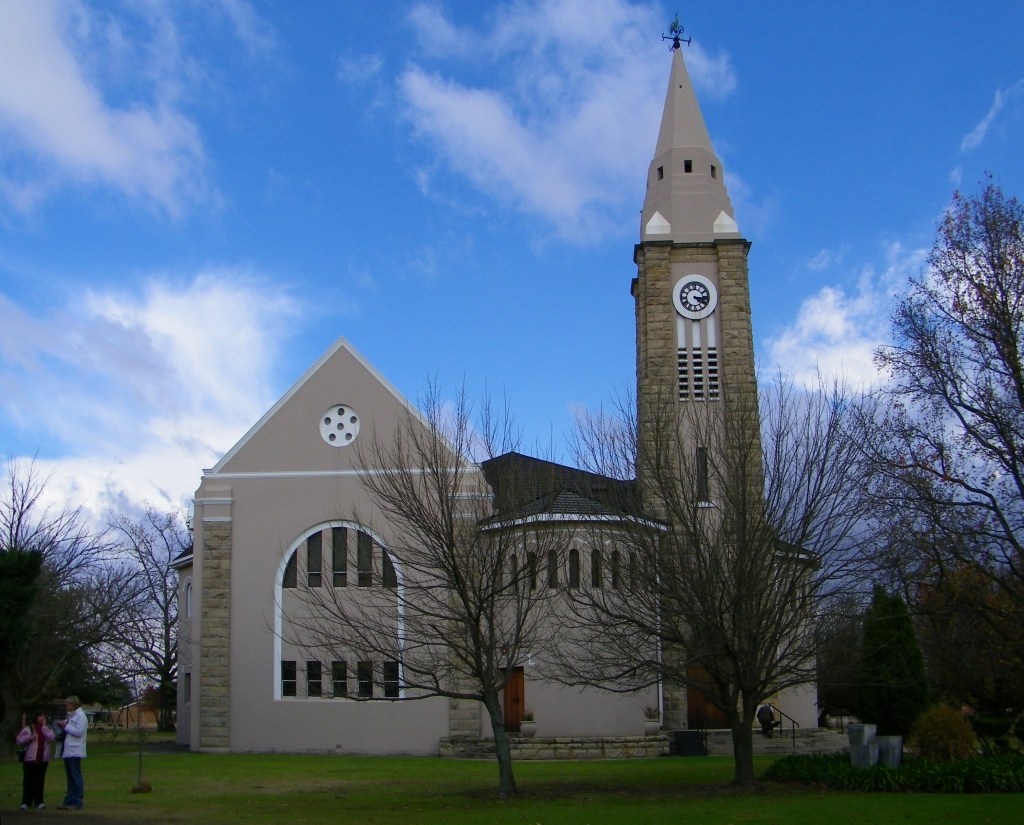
[616, 570]
[531, 562]
[552, 568]
[596, 574]
[188, 688]
[291, 573]
[314, 559]
[364, 559]
[314, 679]
[634, 574]
[339, 679]
[687, 166]
[339, 556]
[288, 678]
[388, 576]
[513, 571]
[389, 672]
[574, 567]
[703, 491]
[364, 679]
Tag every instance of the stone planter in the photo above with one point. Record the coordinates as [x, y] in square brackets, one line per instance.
[860, 734]
[863, 748]
[890, 750]
[528, 729]
[652, 727]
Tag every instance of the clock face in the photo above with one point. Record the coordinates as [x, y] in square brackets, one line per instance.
[695, 297]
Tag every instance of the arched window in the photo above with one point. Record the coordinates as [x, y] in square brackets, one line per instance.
[388, 575]
[552, 568]
[291, 572]
[188, 600]
[616, 570]
[531, 562]
[574, 567]
[595, 568]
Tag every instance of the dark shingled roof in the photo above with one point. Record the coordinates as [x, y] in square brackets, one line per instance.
[526, 486]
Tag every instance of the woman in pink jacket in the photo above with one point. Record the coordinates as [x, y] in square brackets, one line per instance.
[35, 738]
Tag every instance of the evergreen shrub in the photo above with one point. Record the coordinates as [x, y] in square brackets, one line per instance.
[941, 734]
[992, 774]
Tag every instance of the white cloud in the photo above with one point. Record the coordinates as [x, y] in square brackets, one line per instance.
[142, 391]
[974, 138]
[835, 332]
[57, 123]
[546, 131]
[359, 68]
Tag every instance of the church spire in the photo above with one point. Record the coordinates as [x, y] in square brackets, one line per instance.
[686, 199]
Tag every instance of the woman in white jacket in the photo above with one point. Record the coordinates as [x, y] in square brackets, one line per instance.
[34, 739]
[75, 728]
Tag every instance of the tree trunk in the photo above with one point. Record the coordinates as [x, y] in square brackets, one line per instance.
[743, 749]
[506, 780]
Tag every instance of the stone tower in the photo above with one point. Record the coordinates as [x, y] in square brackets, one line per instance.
[695, 358]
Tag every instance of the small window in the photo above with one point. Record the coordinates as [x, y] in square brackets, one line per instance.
[661, 173]
[688, 166]
[531, 562]
[188, 688]
[703, 489]
[388, 575]
[188, 600]
[339, 556]
[595, 568]
[364, 678]
[314, 679]
[390, 674]
[714, 171]
[616, 570]
[339, 679]
[291, 576]
[314, 560]
[364, 559]
[552, 568]
[288, 678]
[574, 567]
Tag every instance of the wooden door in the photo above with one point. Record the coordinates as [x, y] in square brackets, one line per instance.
[700, 713]
[514, 699]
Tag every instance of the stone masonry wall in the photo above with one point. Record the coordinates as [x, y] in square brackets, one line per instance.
[215, 641]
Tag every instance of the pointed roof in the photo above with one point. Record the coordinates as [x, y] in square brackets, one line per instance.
[686, 196]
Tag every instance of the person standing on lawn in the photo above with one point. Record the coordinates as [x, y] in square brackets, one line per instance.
[75, 728]
[35, 738]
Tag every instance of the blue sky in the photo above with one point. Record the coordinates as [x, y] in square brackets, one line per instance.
[198, 197]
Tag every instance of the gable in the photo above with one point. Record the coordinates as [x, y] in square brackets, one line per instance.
[318, 424]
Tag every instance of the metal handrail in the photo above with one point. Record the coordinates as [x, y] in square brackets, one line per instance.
[793, 727]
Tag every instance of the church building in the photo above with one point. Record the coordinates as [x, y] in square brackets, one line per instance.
[288, 508]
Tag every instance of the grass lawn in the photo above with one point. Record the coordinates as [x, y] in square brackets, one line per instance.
[249, 788]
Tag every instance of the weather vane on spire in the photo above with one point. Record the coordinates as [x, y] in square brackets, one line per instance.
[675, 34]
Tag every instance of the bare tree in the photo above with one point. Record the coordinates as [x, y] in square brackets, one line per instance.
[946, 436]
[148, 637]
[460, 607]
[721, 583]
[81, 593]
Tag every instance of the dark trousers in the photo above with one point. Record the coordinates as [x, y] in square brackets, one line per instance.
[33, 778]
[76, 787]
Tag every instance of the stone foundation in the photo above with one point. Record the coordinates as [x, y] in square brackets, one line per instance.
[527, 749]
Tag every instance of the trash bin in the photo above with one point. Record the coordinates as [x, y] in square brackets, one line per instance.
[689, 743]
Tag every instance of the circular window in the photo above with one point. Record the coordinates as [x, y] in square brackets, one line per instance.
[339, 426]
